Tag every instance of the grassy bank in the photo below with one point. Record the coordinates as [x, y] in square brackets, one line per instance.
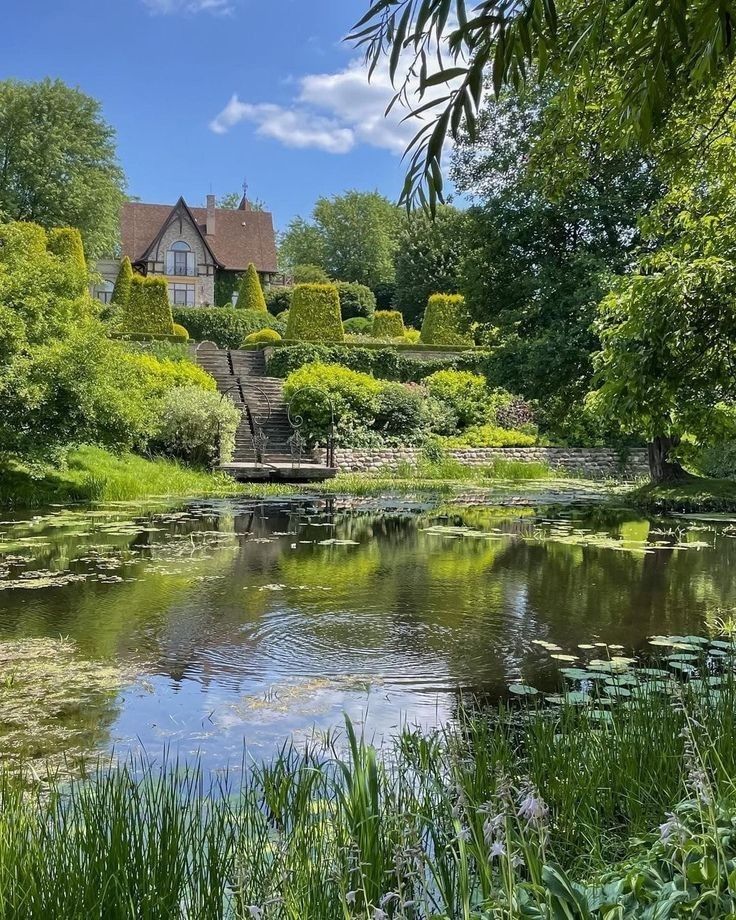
[692, 495]
[92, 474]
[592, 807]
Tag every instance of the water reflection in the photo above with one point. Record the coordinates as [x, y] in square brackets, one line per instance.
[248, 620]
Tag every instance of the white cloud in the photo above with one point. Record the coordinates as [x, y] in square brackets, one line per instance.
[292, 127]
[165, 7]
[333, 112]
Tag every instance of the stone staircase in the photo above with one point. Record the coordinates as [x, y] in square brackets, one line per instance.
[241, 375]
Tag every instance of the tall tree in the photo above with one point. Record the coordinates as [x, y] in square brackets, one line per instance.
[428, 259]
[58, 165]
[537, 264]
[352, 236]
[668, 330]
[652, 54]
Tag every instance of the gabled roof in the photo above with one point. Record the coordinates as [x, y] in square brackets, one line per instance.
[241, 236]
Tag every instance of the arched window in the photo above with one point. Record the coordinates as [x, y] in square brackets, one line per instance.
[180, 259]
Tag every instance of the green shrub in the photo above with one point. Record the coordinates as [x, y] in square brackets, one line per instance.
[446, 321]
[464, 392]
[148, 309]
[263, 335]
[357, 325]
[412, 335]
[386, 363]
[181, 332]
[250, 292]
[195, 425]
[388, 324]
[400, 414]
[314, 315]
[225, 326]
[163, 374]
[121, 291]
[278, 299]
[354, 397]
[355, 300]
[310, 274]
[491, 436]
[66, 244]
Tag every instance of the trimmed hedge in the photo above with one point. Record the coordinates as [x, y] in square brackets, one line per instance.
[355, 300]
[388, 324]
[181, 332]
[66, 244]
[314, 315]
[227, 327]
[263, 335]
[446, 321]
[250, 292]
[386, 363]
[148, 309]
[121, 290]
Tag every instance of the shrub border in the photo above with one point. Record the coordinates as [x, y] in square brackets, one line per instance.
[373, 346]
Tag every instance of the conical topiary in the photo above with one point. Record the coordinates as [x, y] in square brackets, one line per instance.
[66, 244]
[315, 314]
[446, 321]
[147, 310]
[121, 291]
[250, 292]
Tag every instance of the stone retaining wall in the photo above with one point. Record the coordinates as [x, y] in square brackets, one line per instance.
[591, 463]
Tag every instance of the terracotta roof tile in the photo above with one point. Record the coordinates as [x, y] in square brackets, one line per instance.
[240, 237]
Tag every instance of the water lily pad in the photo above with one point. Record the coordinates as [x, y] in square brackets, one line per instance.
[577, 697]
[523, 690]
[617, 691]
[559, 657]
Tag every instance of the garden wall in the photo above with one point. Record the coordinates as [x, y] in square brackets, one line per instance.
[592, 463]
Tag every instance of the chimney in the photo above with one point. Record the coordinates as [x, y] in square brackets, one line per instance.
[210, 215]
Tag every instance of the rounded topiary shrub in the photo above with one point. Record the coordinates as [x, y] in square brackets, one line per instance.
[250, 292]
[314, 315]
[148, 309]
[181, 332]
[388, 324]
[358, 325]
[446, 321]
[465, 393]
[263, 335]
[355, 299]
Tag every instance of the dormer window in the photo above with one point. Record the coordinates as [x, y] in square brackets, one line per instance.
[180, 260]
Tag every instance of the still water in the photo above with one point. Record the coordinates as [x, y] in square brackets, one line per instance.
[222, 626]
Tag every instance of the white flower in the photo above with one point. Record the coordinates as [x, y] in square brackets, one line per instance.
[255, 912]
[491, 827]
[673, 830]
[532, 808]
[350, 898]
[498, 849]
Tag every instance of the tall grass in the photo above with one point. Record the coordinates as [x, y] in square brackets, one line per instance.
[93, 474]
[491, 817]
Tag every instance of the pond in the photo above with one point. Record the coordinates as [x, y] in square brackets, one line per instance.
[218, 624]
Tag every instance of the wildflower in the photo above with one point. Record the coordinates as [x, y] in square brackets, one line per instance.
[492, 826]
[256, 913]
[379, 914]
[350, 898]
[517, 861]
[697, 780]
[673, 831]
[532, 808]
[464, 834]
[498, 849]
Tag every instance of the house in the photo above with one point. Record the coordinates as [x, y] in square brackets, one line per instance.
[200, 251]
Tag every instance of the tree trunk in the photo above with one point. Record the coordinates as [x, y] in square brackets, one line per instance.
[662, 468]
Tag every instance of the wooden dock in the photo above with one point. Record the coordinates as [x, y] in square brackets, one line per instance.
[278, 472]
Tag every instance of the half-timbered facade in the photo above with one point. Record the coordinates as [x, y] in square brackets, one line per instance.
[193, 247]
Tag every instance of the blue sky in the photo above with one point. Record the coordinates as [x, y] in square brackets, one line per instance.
[205, 93]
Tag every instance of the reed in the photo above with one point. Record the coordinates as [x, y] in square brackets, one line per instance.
[526, 811]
